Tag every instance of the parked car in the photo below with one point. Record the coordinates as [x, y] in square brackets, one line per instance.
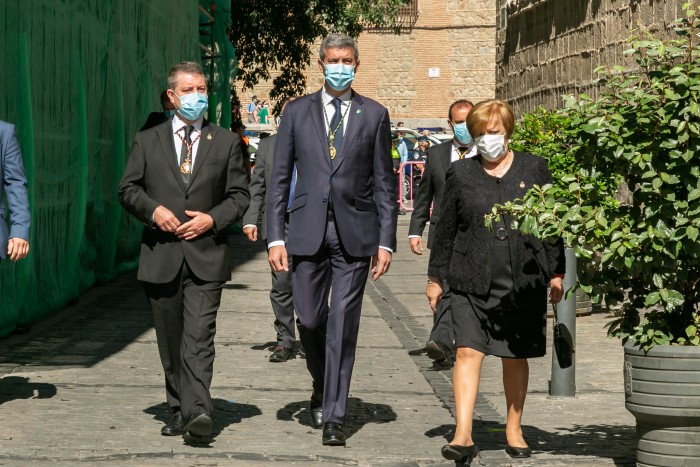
[412, 136]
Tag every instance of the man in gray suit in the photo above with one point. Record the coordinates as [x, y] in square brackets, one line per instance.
[186, 181]
[440, 346]
[342, 221]
[281, 290]
[14, 226]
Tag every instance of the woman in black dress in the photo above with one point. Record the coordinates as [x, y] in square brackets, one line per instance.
[498, 277]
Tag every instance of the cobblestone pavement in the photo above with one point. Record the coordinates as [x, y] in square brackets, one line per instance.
[86, 387]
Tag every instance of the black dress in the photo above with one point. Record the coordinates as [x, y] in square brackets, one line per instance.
[503, 322]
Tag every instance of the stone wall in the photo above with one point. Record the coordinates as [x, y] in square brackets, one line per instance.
[550, 48]
[456, 37]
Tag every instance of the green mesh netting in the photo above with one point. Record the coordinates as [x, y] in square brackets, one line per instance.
[219, 60]
[79, 78]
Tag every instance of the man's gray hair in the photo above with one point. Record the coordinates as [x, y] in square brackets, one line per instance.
[339, 41]
[190, 68]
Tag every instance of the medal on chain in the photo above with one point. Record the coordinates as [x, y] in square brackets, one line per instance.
[186, 166]
[332, 132]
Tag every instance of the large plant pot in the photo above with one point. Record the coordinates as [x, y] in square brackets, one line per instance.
[662, 391]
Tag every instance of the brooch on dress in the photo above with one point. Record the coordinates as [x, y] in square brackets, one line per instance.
[522, 184]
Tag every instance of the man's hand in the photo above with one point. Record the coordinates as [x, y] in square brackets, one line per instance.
[17, 248]
[416, 245]
[199, 223]
[165, 220]
[556, 290]
[277, 257]
[251, 232]
[434, 293]
[380, 263]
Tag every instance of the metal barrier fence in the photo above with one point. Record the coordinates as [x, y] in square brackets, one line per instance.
[409, 175]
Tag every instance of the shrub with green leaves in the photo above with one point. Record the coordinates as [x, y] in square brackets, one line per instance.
[640, 248]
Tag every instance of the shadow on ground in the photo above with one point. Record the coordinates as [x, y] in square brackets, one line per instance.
[614, 442]
[358, 414]
[102, 322]
[226, 413]
[19, 387]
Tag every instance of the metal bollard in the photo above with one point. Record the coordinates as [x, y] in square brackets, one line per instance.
[563, 382]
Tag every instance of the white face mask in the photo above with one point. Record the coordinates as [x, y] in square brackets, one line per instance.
[492, 147]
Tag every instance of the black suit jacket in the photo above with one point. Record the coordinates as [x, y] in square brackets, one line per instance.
[430, 191]
[218, 186]
[462, 252]
[154, 119]
[259, 181]
[361, 179]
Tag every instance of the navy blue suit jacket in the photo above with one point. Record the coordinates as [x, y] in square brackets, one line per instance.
[361, 180]
[13, 186]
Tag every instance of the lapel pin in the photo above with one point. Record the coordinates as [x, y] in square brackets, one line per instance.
[209, 137]
[522, 184]
[358, 111]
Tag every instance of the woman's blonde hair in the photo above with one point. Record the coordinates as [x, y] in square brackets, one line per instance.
[481, 114]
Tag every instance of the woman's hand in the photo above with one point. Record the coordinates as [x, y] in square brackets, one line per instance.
[434, 293]
[556, 290]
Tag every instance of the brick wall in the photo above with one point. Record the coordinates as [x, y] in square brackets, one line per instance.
[549, 48]
[455, 36]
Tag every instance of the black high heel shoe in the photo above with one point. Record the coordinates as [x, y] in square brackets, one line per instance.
[463, 454]
[518, 453]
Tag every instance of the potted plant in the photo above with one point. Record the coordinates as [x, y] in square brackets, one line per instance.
[627, 198]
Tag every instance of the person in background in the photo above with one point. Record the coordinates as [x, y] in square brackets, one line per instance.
[498, 276]
[156, 118]
[239, 128]
[426, 206]
[252, 109]
[281, 289]
[14, 224]
[263, 113]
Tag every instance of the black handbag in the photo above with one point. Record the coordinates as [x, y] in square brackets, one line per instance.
[563, 342]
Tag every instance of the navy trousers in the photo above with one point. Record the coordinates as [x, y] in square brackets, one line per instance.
[328, 331]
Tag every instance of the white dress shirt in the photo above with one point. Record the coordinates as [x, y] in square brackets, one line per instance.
[454, 156]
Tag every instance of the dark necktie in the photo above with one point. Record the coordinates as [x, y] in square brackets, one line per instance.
[336, 122]
[183, 153]
[462, 152]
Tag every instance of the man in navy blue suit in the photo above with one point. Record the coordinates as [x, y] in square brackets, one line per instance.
[14, 225]
[342, 221]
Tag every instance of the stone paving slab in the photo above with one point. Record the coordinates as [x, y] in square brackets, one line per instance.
[86, 387]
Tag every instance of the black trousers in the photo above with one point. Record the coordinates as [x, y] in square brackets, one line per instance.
[184, 314]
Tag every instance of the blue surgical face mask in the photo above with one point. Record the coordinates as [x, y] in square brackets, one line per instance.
[338, 75]
[169, 114]
[192, 105]
[461, 133]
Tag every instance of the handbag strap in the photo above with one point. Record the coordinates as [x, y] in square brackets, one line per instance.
[556, 318]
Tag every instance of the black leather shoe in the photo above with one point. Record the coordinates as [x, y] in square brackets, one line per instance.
[461, 454]
[199, 425]
[437, 351]
[518, 453]
[333, 434]
[316, 410]
[281, 354]
[175, 427]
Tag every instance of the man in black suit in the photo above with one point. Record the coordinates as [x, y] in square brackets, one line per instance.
[156, 118]
[440, 346]
[281, 290]
[185, 180]
[342, 221]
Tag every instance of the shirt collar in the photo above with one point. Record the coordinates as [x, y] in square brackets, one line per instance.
[327, 98]
[178, 124]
